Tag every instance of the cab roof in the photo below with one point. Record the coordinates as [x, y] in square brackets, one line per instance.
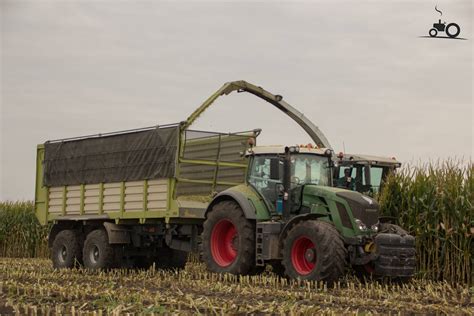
[375, 160]
[280, 149]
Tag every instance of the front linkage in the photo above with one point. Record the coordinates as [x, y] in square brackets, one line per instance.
[390, 253]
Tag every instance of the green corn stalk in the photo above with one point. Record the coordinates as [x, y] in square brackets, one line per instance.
[435, 202]
[20, 233]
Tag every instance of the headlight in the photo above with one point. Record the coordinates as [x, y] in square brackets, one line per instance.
[294, 149]
[360, 225]
[375, 227]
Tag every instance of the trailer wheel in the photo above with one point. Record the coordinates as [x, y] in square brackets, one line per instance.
[97, 252]
[314, 250]
[66, 250]
[228, 239]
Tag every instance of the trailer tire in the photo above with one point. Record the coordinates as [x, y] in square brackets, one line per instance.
[228, 239]
[314, 250]
[97, 252]
[66, 250]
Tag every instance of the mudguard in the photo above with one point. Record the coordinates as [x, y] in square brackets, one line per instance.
[240, 198]
[296, 219]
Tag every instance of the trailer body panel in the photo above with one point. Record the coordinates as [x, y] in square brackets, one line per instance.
[204, 163]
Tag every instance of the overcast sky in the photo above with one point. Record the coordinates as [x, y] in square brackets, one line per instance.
[358, 69]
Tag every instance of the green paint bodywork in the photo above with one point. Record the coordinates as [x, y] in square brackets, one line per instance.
[276, 100]
[322, 201]
[41, 192]
[262, 213]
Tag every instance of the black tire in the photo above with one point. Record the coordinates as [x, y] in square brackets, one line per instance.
[433, 32]
[314, 250]
[237, 254]
[97, 252]
[455, 34]
[66, 250]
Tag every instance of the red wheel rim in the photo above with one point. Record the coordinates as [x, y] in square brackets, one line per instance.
[303, 255]
[223, 239]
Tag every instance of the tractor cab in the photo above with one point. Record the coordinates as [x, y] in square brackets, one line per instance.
[362, 173]
[274, 170]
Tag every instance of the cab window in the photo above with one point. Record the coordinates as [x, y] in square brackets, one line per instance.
[265, 174]
[376, 178]
[309, 169]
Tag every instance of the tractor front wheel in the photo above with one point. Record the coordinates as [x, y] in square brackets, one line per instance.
[314, 250]
[433, 32]
[228, 239]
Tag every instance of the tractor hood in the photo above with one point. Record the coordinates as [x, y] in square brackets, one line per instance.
[361, 206]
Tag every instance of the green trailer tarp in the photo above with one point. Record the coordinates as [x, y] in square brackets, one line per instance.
[126, 156]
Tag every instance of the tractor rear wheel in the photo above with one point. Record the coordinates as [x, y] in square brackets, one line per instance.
[228, 239]
[314, 250]
[453, 33]
[66, 249]
[97, 252]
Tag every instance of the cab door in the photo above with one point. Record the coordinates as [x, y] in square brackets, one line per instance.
[266, 176]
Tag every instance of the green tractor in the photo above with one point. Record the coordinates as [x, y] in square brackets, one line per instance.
[312, 229]
[289, 214]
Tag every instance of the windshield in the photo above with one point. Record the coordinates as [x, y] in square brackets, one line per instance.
[354, 177]
[309, 169]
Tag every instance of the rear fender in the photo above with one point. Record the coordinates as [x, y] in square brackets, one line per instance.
[118, 234]
[244, 203]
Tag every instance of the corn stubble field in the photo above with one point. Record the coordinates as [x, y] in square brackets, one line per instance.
[33, 287]
[434, 202]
